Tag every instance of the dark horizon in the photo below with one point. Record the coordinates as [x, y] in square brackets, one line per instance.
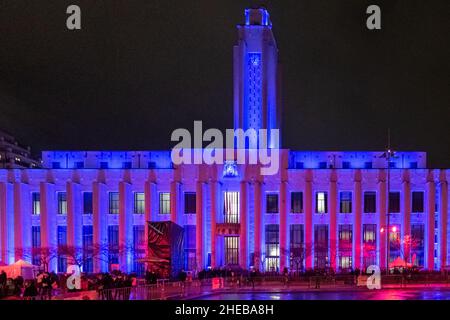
[138, 70]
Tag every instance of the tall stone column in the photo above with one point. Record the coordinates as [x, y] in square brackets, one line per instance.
[100, 224]
[243, 245]
[308, 220]
[283, 226]
[333, 225]
[443, 207]
[357, 219]
[22, 221]
[431, 199]
[199, 226]
[258, 224]
[126, 245]
[6, 222]
[74, 216]
[49, 237]
[406, 185]
[382, 209]
[214, 211]
[174, 201]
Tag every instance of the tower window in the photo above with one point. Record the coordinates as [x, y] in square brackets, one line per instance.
[321, 202]
[36, 200]
[417, 201]
[139, 202]
[296, 202]
[62, 203]
[190, 202]
[164, 202]
[394, 202]
[272, 203]
[370, 203]
[114, 203]
[345, 202]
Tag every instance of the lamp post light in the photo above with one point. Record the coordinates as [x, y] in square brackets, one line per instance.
[388, 154]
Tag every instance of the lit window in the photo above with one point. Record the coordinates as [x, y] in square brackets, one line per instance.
[164, 203]
[272, 236]
[231, 207]
[321, 202]
[345, 202]
[36, 200]
[114, 203]
[139, 202]
[62, 203]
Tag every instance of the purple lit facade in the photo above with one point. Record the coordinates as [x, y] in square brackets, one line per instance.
[322, 209]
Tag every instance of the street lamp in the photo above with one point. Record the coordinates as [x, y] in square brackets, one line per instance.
[388, 154]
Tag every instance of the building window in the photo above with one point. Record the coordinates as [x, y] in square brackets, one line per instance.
[272, 203]
[36, 203]
[368, 165]
[164, 203]
[190, 205]
[345, 246]
[417, 201]
[126, 165]
[36, 245]
[322, 165]
[394, 202]
[139, 203]
[345, 203]
[369, 245]
[88, 242]
[104, 165]
[299, 165]
[231, 207]
[87, 202]
[56, 165]
[62, 241]
[345, 165]
[113, 244]
[113, 203]
[417, 244]
[370, 202]
[321, 246]
[139, 249]
[231, 250]
[321, 202]
[62, 203]
[151, 165]
[296, 246]
[394, 242]
[413, 165]
[189, 248]
[272, 233]
[296, 202]
[79, 165]
[392, 165]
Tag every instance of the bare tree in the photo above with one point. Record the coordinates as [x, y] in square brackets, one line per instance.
[81, 256]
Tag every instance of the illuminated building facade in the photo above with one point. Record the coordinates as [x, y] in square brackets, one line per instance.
[322, 209]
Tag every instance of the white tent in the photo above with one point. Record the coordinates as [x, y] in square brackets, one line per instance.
[20, 268]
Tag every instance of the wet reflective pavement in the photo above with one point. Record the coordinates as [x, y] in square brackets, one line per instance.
[384, 294]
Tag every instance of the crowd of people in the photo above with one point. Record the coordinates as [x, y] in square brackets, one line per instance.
[47, 284]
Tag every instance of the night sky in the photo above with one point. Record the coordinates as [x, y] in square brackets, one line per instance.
[140, 69]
